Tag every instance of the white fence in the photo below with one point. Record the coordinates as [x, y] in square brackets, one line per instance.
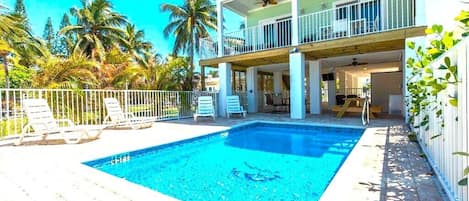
[86, 106]
[364, 17]
[453, 125]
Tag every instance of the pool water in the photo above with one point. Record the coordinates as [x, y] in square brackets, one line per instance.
[259, 161]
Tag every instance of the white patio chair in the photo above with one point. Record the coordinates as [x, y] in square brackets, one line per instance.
[233, 106]
[42, 122]
[204, 107]
[119, 119]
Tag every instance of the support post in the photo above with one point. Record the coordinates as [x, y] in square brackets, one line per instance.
[278, 82]
[220, 30]
[224, 72]
[315, 87]
[252, 92]
[297, 86]
[295, 9]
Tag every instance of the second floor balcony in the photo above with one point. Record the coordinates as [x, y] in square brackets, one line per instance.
[344, 20]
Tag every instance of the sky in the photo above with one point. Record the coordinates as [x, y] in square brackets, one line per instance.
[145, 14]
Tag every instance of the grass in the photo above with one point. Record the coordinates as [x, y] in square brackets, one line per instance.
[11, 126]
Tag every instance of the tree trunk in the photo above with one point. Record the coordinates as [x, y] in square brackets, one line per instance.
[191, 73]
[7, 73]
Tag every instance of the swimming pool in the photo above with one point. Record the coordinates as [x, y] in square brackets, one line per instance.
[257, 161]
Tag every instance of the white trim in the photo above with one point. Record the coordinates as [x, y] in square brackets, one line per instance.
[346, 2]
[272, 19]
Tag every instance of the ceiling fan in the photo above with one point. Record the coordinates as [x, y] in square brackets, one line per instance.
[356, 63]
[264, 3]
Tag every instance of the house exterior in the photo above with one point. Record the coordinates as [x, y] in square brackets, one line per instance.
[324, 47]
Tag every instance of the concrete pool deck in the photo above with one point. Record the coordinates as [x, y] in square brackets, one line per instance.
[383, 166]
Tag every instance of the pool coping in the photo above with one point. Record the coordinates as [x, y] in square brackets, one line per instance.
[336, 184]
[341, 185]
[91, 162]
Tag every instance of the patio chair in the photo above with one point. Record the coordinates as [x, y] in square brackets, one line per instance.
[204, 107]
[233, 106]
[117, 118]
[42, 122]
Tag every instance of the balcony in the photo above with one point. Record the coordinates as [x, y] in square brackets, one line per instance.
[346, 20]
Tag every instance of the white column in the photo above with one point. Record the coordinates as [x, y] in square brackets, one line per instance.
[331, 92]
[297, 86]
[251, 82]
[295, 9]
[224, 73]
[315, 87]
[278, 82]
[220, 28]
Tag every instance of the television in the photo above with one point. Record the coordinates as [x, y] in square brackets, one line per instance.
[328, 76]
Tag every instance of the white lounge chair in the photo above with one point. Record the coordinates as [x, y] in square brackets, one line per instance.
[234, 107]
[118, 119]
[204, 107]
[41, 120]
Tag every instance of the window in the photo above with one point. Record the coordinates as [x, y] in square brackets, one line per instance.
[238, 80]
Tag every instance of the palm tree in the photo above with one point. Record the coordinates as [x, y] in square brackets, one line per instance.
[12, 33]
[75, 71]
[97, 27]
[188, 23]
[133, 42]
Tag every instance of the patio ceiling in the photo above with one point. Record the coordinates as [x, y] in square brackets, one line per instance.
[243, 7]
[389, 61]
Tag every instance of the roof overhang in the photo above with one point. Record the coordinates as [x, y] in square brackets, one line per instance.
[244, 7]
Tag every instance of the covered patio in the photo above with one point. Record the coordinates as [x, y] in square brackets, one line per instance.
[321, 86]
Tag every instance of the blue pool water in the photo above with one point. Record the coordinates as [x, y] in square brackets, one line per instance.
[259, 161]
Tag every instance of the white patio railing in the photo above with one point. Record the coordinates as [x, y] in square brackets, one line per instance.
[353, 91]
[86, 106]
[452, 125]
[354, 19]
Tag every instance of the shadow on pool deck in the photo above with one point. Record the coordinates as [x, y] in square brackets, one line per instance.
[406, 172]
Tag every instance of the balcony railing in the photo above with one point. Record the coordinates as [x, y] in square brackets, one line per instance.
[86, 107]
[343, 21]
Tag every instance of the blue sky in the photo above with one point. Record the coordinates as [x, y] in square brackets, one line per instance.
[145, 14]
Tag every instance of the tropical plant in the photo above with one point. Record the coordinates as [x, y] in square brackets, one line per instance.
[188, 23]
[12, 36]
[463, 18]
[75, 71]
[96, 29]
[425, 84]
[133, 42]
